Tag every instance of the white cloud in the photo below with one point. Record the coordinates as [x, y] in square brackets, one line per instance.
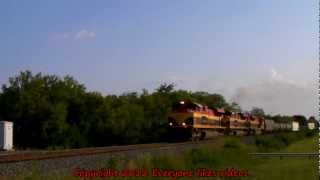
[275, 75]
[279, 77]
[78, 35]
[62, 36]
[84, 34]
[275, 91]
[279, 97]
[65, 36]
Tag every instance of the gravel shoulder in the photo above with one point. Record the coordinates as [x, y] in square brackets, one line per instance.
[66, 166]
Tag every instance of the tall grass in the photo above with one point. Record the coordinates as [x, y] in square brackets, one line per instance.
[281, 140]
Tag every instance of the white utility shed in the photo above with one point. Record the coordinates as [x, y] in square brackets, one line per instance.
[6, 135]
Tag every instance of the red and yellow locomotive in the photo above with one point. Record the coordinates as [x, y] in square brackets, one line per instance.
[192, 120]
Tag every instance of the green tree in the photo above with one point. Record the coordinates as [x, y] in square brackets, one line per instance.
[301, 119]
[52, 111]
[166, 88]
[257, 112]
[211, 100]
[234, 107]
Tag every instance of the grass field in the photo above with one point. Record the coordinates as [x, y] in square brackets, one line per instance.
[231, 152]
[289, 168]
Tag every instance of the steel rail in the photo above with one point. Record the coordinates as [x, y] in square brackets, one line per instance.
[281, 155]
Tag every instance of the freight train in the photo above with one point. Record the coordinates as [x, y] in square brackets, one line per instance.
[190, 120]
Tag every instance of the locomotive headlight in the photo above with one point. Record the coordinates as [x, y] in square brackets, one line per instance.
[181, 102]
[170, 123]
[183, 124]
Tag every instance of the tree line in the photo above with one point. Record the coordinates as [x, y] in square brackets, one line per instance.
[49, 111]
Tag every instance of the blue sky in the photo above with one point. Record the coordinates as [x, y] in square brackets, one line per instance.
[229, 47]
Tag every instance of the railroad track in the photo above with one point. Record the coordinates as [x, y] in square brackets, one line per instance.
[17, 156]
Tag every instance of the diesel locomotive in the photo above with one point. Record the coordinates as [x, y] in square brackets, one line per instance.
[196, 121]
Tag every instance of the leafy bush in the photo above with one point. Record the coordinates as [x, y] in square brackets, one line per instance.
[310, 133]
[162, 162]
[286, 139]
[232, 144]
[267, 143]
[280, 140]
[202, 157]
[112, 162]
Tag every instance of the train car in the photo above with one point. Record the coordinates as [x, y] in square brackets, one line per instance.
[269, 126]
[192, 120]
[312, 123]
[239, 124]
[289, 126]
[281, 126]
[278, 126]
[256, 125]
[295, 126]
[272, 126]
[286, 126]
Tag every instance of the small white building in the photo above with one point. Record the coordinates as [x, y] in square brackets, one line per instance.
[6, 135]
[295, 126]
